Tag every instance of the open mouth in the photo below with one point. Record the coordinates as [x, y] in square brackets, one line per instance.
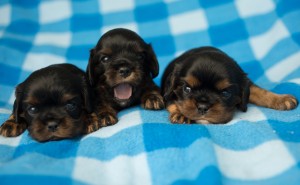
[123, 91]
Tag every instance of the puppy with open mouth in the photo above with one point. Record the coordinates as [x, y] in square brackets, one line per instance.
[205, 85]
[121, 69]
[53, 103]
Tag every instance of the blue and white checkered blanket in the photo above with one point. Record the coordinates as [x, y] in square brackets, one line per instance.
[261, 146]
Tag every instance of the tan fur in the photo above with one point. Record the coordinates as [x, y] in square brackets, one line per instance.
[223, 84]
[152, 100]
[176, 116]
[192, 81]
[12, 129]
[107, 116]
[262, 97]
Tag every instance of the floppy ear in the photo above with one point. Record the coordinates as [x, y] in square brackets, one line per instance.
[89, 70]
[87, 97]
[152, 62]
[245, 93]
[169, 85]
[17, 109]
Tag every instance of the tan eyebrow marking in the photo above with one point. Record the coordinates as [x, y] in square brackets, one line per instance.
[223, 84]
[192, 81]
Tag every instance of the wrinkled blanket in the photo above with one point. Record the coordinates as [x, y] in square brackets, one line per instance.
[261, 146]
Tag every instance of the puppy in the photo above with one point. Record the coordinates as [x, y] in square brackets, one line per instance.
[52, 103]
[120, 70]
[205, 85]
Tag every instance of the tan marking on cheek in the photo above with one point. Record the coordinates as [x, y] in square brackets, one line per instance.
[69, 128]
[188, 108]
[192, 81]
[219, 114]
[38, 131]
[223, 84]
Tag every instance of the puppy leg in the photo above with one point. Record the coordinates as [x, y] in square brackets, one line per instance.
[176, 116]
[92, 123]
[262, 97]
[107, 116]
[10, 128]
[152, 99]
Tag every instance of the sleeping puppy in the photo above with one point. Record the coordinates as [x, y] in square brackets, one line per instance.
[120, 70]
[53, 103]
[205, 85]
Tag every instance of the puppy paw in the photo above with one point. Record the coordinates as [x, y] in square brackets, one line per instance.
[153, 102]
[285, 102]
[12, 129]
[92, 123]
[179, 118]
[107, 119]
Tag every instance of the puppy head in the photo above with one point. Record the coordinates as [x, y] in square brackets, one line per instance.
[54, 102]
[121, 61]
[207, 87]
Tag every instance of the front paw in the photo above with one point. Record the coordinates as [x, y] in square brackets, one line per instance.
[12, 129]
[92, 123]
[285, 102]
[107, 119]
[153, 102]
[179, 118]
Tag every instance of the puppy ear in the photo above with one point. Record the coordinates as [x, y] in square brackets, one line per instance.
[245, 93]
[169, 87]
[152, 62]
[89, 70]
[17, 108]
[87, 97]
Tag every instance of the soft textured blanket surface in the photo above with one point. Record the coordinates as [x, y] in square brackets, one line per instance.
[261, 146]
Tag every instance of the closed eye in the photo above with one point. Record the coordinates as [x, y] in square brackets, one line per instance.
[226, 93]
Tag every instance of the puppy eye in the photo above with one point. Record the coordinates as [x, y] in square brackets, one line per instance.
[71, 106]
[226, 94]
[187, 89]
[32, 110]
[104, 59]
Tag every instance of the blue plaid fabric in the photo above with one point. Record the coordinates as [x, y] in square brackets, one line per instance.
[261, 146]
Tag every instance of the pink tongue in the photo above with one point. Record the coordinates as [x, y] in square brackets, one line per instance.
[123, 91]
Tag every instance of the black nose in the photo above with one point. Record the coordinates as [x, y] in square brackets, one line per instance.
[124, 71]
[52, 125]
[202, 108]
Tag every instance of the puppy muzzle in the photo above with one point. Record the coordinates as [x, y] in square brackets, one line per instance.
[52, 125]
[203, 108]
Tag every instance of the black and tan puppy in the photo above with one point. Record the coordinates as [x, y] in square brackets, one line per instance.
[52, 103]
[121, 70]
[205, 85]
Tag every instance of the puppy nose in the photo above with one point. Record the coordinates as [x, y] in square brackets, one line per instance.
[124, 71]
[52, 125]
[202, 108]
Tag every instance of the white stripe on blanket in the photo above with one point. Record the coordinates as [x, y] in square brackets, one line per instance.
[276, 74]
[254, 164]
[120, 170]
